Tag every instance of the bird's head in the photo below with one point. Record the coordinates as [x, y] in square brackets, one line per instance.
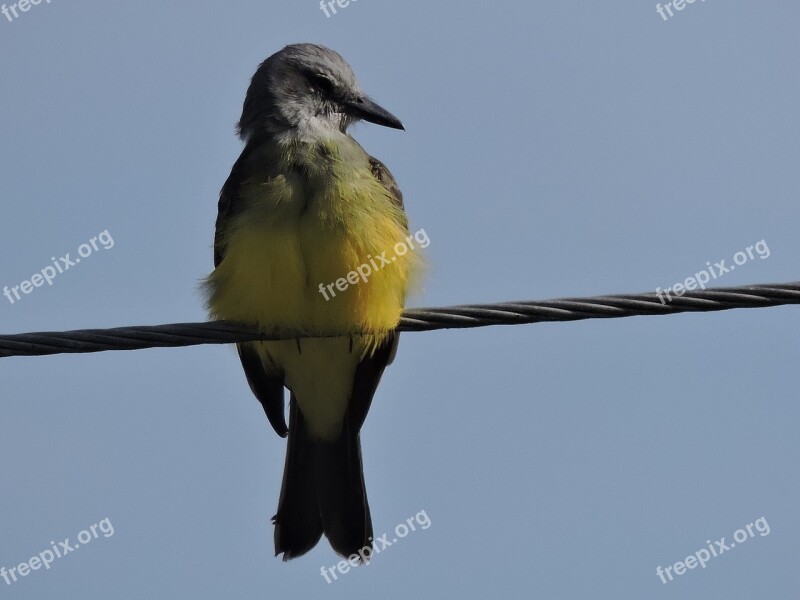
[307, 88]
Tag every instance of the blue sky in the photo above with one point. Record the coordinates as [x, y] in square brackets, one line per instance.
[552, 149]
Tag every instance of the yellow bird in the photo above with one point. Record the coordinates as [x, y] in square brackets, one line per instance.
[304, 208]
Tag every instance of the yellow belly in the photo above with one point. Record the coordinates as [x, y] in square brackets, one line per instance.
[282, 270]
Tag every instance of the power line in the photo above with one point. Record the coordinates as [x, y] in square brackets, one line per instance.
[415, 319]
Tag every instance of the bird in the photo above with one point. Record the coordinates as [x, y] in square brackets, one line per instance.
[304, 207]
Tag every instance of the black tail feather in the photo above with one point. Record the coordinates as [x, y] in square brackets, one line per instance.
[342, 494]
[323, 482]
[298, 525]
[323, 491]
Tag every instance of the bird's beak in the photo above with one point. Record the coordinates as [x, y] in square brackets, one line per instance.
[368, 110]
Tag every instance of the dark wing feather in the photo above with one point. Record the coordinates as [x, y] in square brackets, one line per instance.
[382, 174]
[230, 201]
[370, 369]
[267, 387]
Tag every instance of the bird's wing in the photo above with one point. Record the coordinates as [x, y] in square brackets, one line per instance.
[370, 369]
[382, 174]
[267, 387]
[231, 202]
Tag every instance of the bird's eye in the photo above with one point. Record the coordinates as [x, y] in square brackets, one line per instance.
[322, 83]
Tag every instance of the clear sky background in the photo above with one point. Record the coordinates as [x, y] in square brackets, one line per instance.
[552, 149]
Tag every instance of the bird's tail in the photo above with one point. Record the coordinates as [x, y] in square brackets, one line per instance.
[323, 492]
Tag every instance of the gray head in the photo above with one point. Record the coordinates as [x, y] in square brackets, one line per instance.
[310, 89]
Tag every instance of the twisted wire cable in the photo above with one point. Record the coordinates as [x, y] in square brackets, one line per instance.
[415, 319]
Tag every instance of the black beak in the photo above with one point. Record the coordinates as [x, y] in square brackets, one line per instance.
[368, 110]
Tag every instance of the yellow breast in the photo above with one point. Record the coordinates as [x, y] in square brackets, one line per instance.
[330, 256]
